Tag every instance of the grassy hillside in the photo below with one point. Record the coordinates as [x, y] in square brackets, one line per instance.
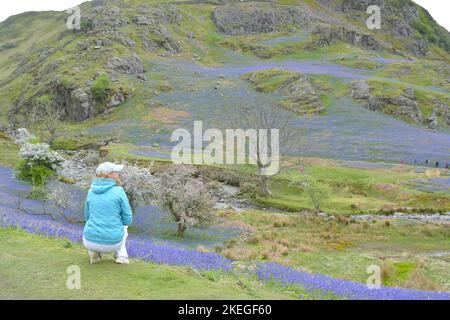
[33, 267]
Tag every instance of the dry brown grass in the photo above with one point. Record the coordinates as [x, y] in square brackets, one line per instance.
[418, 280]
[165, 115]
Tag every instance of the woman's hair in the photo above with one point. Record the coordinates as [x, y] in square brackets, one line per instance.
[103, 176]
[107, 176]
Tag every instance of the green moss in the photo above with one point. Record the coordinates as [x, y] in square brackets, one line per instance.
[270, 80]
[398, 273]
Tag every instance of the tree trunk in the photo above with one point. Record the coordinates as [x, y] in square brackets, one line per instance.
[181, 228]
[264, 189]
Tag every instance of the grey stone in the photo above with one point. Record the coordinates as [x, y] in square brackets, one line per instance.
[246, 18]
[127, 65]
[117, 99]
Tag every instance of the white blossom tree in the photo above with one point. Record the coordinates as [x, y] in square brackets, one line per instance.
[139, 184]
[186, 198]
[41, 154]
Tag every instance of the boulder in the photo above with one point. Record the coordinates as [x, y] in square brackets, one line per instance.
[80, 105]
[117, 99]
[433, 121]
[360, 90]
[127, 65]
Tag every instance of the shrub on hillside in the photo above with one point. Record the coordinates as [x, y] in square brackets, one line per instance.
[316, 191]
[41, 154]
[100, 88]
[38, 164]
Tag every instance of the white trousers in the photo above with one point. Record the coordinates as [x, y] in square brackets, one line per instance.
[119, 249]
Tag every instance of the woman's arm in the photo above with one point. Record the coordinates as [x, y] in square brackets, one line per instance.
[86, 211]
[126, 214]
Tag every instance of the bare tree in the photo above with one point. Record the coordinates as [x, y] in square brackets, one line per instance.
[62, 200]
[186, 198]
[316, 191]
[45, 115]
[264, 114]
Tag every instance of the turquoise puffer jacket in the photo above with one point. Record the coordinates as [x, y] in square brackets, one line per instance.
[106, 211]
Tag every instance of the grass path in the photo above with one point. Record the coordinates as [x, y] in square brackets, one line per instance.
[34, 267]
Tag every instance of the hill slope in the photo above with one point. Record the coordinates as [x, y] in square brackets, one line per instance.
[112, 59]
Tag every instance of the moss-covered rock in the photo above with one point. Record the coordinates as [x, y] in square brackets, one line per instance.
[298, 93]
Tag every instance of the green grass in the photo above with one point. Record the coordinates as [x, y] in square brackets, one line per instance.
[9, 152]
[270, 80]
[353, 190]
[34, 267]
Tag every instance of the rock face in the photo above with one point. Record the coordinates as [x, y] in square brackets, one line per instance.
[418, 47]
[158, 14]
[246, 18]
[401, 19]
[404, 105]
[165, 40]
[327, 35]
[441, 110]
[80, 105]
[127, 65]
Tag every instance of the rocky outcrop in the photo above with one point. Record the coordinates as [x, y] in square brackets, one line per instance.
[127, 65]
[401, 19]
[80, 105]
[301, 96]
[247, 18]
[119, 97]
[418, 47]
[327, 35]
[440, 110]
[73, 102]
[404, 106]
[154, 15]
[298, 93]
[164, 39]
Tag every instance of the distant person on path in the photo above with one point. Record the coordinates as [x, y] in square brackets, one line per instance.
[415, 161]
[437, 164]
[108, 214]
[447, 165]
[426, 162]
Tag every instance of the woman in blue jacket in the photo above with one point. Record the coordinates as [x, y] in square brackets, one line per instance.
[108, 215]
